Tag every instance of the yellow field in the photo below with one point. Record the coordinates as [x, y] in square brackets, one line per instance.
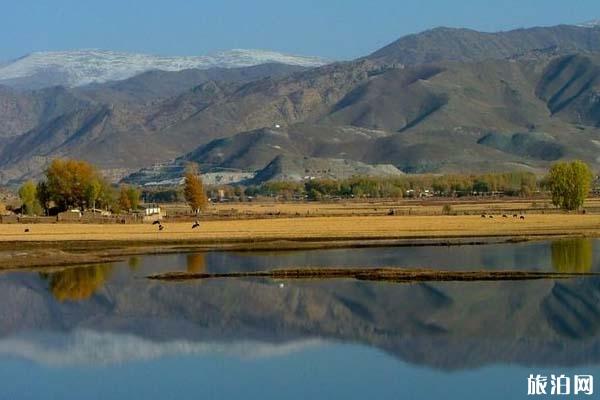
[315, 228]
[376, 207]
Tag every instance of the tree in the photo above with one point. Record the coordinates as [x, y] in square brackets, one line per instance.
[134, 197]
[43, 195]
[124, 200]
[569, 183]
[92, 192]
[28, 196]
[69, 182]
[193, 190]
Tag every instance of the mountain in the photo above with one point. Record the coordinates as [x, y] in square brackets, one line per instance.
[516, 108]
[445, 117]
[155, 85]
[23, 111]
[468, 45]
[590, 24]
[82, 67]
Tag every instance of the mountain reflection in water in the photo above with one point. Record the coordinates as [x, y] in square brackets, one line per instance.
[90, 313]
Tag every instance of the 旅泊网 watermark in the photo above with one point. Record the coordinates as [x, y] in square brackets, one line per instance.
[561, 385]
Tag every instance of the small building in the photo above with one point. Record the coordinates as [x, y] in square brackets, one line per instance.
[69, 215]
[152, 213]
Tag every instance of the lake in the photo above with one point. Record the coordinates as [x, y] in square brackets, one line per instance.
[107, 332]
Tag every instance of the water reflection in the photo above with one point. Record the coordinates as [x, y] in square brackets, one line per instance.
[572, 255]
[441, 325]
[341, 339]
[134, 263]
[78, 283]
[196, 263]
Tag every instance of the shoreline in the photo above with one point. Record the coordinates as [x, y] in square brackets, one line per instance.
[53, 245]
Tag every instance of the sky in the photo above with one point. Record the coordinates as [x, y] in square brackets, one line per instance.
[336, 29]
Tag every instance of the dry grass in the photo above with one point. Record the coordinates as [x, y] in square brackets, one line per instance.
[431, 206]
[317, 229]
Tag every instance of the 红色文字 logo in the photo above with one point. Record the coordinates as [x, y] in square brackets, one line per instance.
[560, 385]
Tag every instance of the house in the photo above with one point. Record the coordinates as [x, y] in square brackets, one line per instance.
[152, 213]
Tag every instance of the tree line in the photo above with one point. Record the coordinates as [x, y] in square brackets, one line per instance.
[74, 184]
[510, 183]
[69, 184]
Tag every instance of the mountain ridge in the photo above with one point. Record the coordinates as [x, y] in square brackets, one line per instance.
[81, 67]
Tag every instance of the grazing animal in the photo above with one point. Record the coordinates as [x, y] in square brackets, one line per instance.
[196, 225]
[157, 222]
[160, 227]
[515, 215]
[504, 216]
[391, 212]
[482, 215]
[26, 229]
[522, 217]
[491, 216]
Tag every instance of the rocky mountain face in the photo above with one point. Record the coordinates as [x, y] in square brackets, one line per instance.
[511, 100]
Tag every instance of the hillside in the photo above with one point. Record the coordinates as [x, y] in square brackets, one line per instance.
[520, 107]
[466, 117]
[457, 44]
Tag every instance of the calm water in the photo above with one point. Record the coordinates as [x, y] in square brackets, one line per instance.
[105, 332]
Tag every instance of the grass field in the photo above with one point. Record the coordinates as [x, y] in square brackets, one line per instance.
[312, 229]
[378, 207]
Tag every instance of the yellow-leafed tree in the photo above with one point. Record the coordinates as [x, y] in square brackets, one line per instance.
[193, 190]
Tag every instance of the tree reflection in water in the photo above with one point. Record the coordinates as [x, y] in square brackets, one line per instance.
[79, 283]
[572, 255]
[196, 263]
[134, 263]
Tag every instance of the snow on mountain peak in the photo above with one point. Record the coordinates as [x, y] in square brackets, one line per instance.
[590, 24]
[81, 67]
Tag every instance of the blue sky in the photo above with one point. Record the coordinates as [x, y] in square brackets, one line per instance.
[339, 29]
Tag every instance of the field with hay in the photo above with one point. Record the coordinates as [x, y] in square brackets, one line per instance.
[312, 229]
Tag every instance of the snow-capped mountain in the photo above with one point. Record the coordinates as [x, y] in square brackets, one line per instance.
[590, 24]
[81, 67]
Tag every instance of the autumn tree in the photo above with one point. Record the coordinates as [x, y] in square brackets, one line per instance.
[28, 196]
[73, 183]
[569, 183]
[193, 189]
[124, 200]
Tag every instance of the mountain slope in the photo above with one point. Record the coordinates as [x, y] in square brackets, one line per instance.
[468, 45]
[20, 112]
[159, 85]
